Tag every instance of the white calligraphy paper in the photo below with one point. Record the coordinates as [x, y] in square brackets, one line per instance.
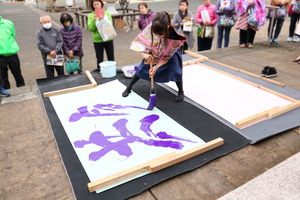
[110, 133]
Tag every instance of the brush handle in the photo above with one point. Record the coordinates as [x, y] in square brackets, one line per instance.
[152, 82]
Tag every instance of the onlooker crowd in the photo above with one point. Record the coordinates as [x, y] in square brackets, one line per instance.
[66, 43]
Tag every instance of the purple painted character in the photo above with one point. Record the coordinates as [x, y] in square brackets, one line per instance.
[126, 137]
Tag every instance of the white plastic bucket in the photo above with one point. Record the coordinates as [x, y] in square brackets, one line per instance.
[108, 69]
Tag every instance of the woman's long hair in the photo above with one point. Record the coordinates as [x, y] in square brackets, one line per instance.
[160, 25]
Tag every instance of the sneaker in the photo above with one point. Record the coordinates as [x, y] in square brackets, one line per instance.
[296, 39]
[271, 72]
[289, 39]
[275, 41]
[3, 92]
[264, 71]
[271, 41]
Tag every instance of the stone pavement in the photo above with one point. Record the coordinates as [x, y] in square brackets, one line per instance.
[30, 164]
[272, 184]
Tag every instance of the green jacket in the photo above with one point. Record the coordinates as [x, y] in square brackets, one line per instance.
[93, 28]
[8, 44]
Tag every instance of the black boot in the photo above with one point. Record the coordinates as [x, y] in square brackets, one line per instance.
[180, 92]
[135, 78]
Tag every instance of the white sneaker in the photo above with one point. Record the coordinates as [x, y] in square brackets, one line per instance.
[289, 39]
[296, 39]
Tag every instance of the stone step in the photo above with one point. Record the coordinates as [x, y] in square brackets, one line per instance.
[21, 94]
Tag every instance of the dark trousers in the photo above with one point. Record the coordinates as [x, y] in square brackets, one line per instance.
[204, 44]
[294, 19]
[278, 23]
[99, 49]
[50, 70]
[247, 36]
[221, 31]
[184, 47]
[13, 63]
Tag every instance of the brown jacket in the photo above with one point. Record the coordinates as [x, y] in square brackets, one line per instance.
[285, 2]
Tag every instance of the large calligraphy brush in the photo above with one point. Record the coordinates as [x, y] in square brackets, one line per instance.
[152, 100]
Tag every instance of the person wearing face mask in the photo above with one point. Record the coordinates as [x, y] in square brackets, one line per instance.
[8, 56]
[72, 36]
[49, 41]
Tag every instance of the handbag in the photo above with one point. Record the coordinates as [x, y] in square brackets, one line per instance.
[200, 31]
[72, 64]
[242, 22]
[252, 21]
[279, 14]
[226, 21]
[105, 28]
[296, 7]
[209, 32]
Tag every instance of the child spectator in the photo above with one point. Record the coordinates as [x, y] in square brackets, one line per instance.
[179, 20]
[146, 17]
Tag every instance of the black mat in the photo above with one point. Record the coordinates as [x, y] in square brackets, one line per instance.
[197, 121]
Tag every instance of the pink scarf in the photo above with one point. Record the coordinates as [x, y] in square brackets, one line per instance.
[161, 49]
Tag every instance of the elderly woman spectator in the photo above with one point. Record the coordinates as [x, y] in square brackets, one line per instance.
[72, 37]
[146, 17]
